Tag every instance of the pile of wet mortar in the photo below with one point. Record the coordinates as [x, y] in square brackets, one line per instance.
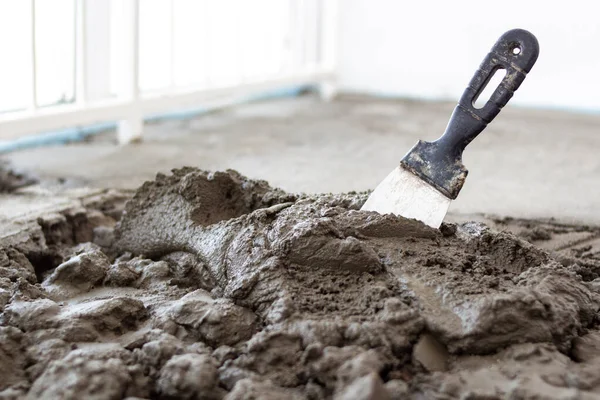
[214, 286]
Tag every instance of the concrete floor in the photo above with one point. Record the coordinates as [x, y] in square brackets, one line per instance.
[527, 163]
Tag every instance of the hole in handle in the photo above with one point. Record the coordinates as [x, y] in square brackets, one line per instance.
[489, 88]
[515, 48]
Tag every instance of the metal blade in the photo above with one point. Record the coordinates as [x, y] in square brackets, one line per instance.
[403, 193]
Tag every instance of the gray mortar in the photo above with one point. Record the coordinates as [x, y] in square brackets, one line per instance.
[215, 286]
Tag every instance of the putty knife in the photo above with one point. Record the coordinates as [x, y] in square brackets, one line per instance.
[432, 174]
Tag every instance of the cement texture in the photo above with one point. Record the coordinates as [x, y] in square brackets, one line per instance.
[210, 285]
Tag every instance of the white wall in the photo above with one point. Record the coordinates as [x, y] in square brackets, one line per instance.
[431, 48]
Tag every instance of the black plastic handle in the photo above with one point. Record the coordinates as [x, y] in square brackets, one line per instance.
[516, 51]
[440, 162]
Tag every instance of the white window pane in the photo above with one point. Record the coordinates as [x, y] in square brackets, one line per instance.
[55, 51]
[15, 53]
[97, 50]
[263, 28]
[155, 44]
[190, 34]
[223, 53]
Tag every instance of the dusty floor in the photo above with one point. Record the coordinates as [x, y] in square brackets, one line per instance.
[211, 286]
[529, 164]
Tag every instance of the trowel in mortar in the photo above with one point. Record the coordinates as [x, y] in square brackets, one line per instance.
[432, 174]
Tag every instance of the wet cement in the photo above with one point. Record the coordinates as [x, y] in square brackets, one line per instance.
[211, 286]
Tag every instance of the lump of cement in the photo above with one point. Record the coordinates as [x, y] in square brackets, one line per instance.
[189, 376]
[249, 389]
[79, 377]
[14, 265]
[121, 274]
[369, 387]
[430, 354]
[361, 365]
[397, 389]
[215, 322]
[41, 354]
[77, 275]
[155, 353]
[527, 371]
[587, 347]
[117, 315]
[12, 358]
[212, 285]
[12, 179]
[32, 315]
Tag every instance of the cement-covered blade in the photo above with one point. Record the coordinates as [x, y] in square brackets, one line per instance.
[403, 193]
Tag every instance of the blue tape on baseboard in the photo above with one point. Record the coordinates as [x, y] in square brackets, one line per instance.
[60, 137]
[195, 112]
[284, 92]
[78, 134]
